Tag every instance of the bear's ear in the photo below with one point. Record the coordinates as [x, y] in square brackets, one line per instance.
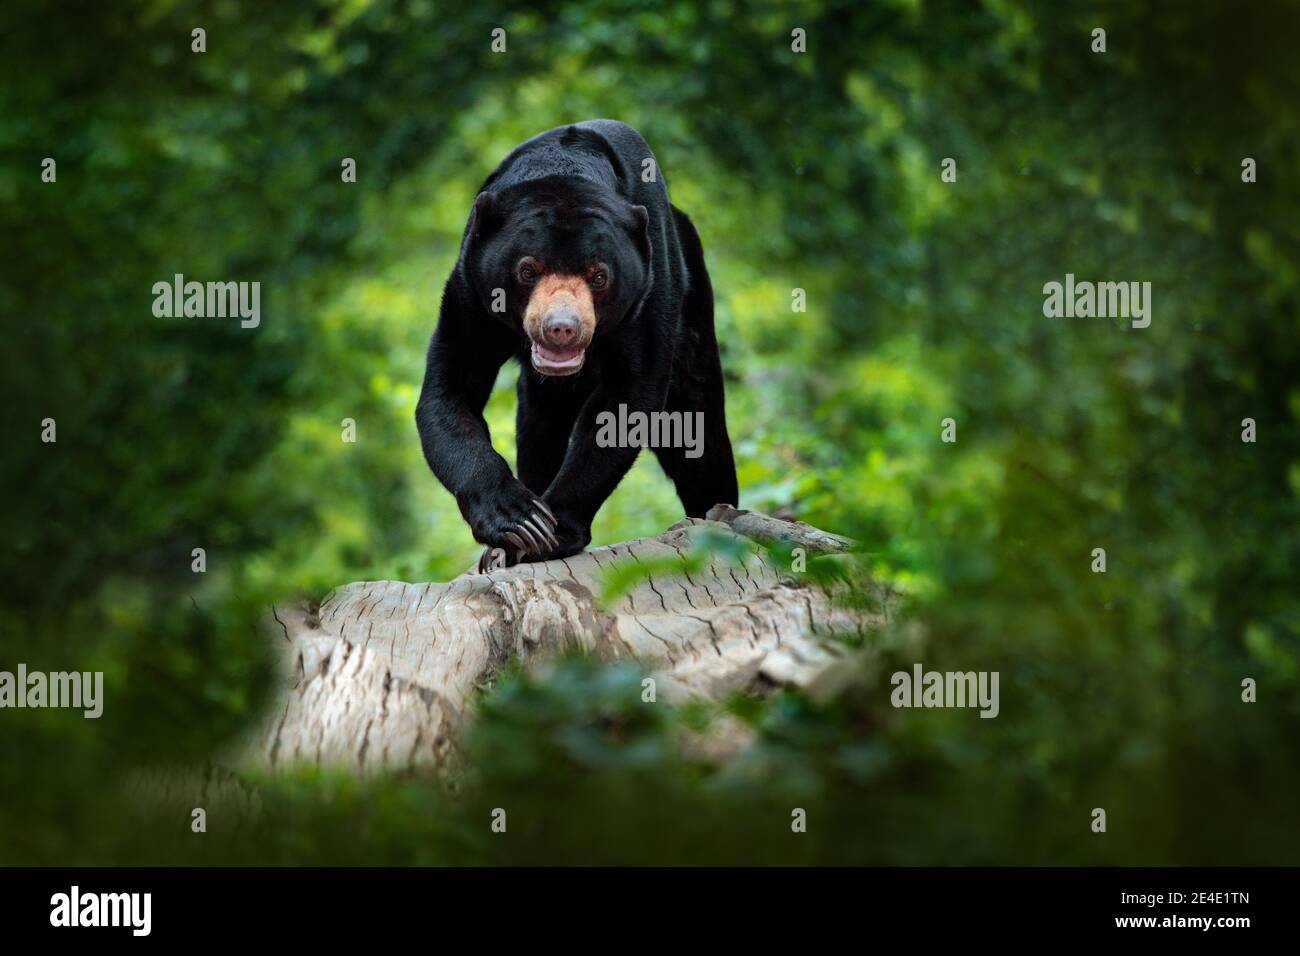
[486, 217]
[641, 229]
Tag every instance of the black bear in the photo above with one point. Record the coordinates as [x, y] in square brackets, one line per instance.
[575, 263]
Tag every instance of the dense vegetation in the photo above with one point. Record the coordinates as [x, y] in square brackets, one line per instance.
[818, 171]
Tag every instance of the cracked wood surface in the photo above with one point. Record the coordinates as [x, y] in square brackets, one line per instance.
[381, 674]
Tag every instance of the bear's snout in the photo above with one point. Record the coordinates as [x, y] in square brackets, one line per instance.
[560, 320]
[561, 326]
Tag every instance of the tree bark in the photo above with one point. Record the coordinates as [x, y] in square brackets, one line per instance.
[381, 673]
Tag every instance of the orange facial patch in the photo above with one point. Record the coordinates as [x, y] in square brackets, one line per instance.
[557, 291]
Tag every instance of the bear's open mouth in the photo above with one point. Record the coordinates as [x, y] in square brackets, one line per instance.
[557, 361]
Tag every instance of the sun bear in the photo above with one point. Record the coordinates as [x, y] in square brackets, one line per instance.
[574, 263]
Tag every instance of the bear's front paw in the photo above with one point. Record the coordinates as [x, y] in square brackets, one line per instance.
[512, 518]
[571, 537]
[496, 559]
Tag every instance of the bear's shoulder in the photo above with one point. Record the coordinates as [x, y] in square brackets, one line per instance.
[607, 152]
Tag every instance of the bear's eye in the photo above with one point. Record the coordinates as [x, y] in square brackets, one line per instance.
[528, 269]
[599, 277]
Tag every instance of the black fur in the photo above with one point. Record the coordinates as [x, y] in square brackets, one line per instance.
[570, 196]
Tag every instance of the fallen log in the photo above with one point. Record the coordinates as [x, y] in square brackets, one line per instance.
[380, 675]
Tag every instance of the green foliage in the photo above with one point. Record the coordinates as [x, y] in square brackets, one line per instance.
[816, 171]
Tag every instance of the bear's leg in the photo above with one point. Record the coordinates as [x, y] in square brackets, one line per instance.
[697, 391]
[703, 472]
[543, 424]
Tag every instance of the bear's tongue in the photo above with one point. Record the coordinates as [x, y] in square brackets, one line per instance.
[557, 361]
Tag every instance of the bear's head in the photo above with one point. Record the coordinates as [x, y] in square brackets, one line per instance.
[561, 261]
